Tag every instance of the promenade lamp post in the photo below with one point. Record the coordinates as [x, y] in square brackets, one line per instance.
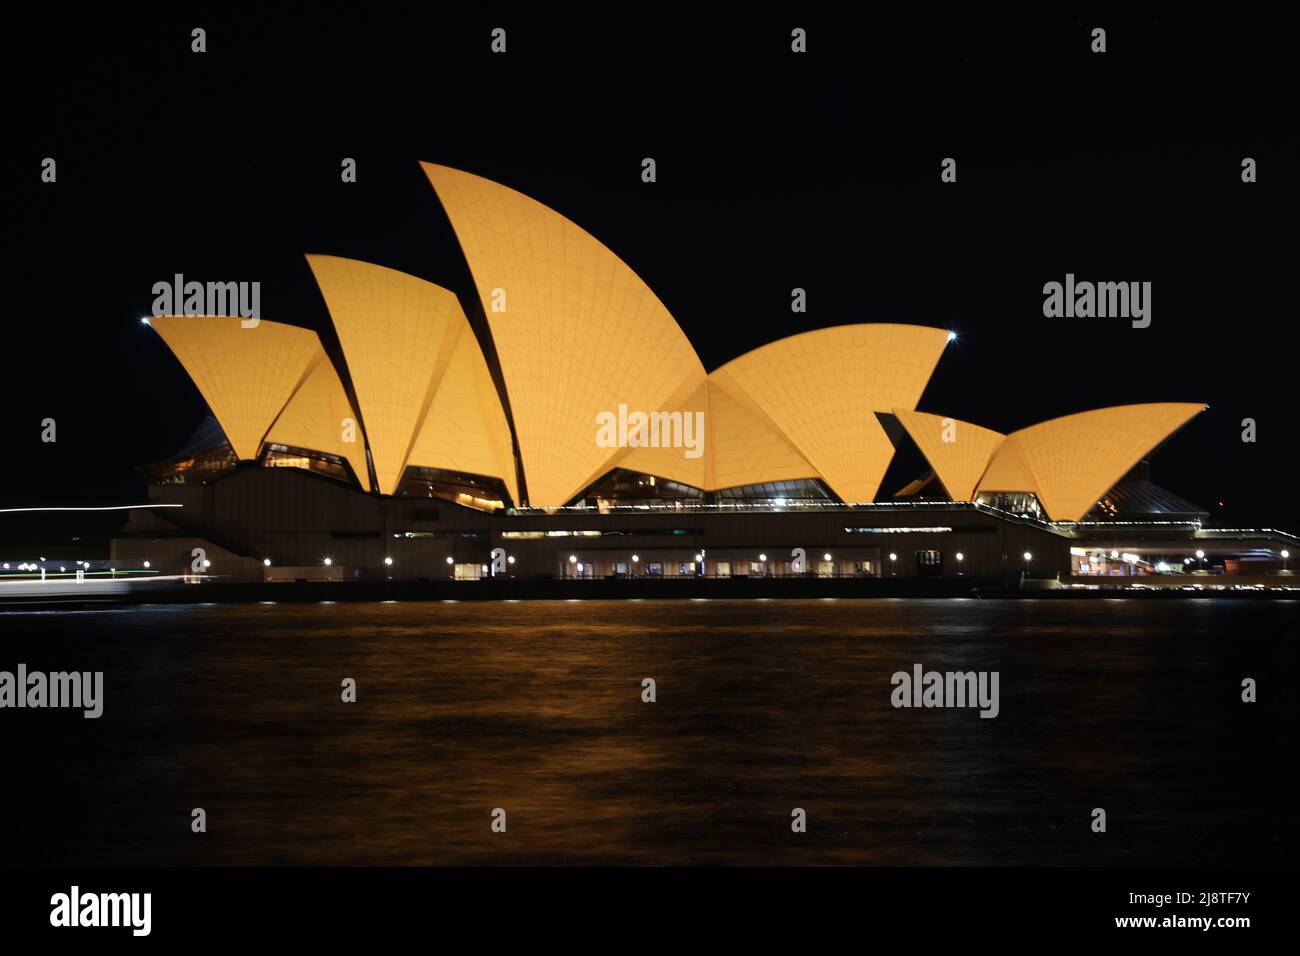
[636, 559]
[573, 560]
[388, 564]
[827, 557]
[1028, 557]
[893, 564]
[451, 566]
[762, 559]
[960, 558]
[1285, 554]
[1200, 556]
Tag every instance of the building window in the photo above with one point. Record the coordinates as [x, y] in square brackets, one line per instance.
[929, 563]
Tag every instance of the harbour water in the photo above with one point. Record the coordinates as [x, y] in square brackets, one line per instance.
[761, 707]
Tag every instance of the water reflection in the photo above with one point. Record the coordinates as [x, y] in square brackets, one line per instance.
[763, 706]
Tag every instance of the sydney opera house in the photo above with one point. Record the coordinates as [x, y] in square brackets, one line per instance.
[559, 424]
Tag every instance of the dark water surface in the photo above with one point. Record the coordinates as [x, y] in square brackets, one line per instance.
[763, 706]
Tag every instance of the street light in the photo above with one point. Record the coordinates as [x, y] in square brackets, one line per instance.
[328, 562]
[1285, 554]
[388, 561]
[266, 562]
[1200, 556]
[960, 557]
[893, 568]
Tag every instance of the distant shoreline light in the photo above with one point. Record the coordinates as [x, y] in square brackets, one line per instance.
[96, 508]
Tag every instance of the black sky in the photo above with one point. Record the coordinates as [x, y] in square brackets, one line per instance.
[775, 171]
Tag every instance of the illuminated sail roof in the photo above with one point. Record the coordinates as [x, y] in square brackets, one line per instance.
[580, 337]
[739, 446]
[319, 417]
[1070, 462]
[466, 429]
[959, 452]
[576, 331]
[403, 338]
[821, 390]
[246, 375]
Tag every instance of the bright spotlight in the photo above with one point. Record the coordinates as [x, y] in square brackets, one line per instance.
[328, 562]
[266, 562]
[388, 561]
[573, 559]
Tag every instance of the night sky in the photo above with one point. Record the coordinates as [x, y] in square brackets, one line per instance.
[774, 171]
